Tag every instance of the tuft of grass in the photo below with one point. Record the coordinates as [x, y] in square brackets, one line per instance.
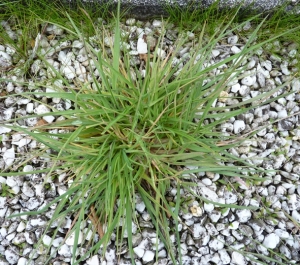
[6, 191]
[131, 134]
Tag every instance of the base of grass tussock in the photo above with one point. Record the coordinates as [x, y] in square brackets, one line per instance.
[130, 135]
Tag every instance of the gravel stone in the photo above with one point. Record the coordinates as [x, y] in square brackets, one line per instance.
[211, 229]
[71, 239]
[196, 211]
[198, 230]
[271, 241]
[21, 227]
[65, 251]
[284, 68]
[274, 146]
[238, 126]
[24, 261]
[224, 256]
[296, 85]
[230, 197]
[139, 251]
[208, 207]
[148, 256]
[214, 216]
[237, 258]
[94, 260]
[285, 251]
[157, 23]
[248, 81]
[234, 225]
[261, 79]
[5, 60]
[296, 215]
[232, 39]
[215, 53]
[142, 46]
[208, 193]
[47, 240]
[19, 239]
[9, 157]
[33, 203]
[216, 245]
[11, 255]
[282, 234]
[235, 49]
[244, 90]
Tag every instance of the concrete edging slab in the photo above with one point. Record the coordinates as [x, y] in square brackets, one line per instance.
[144, 9]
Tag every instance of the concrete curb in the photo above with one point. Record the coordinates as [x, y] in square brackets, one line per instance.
[144, 9]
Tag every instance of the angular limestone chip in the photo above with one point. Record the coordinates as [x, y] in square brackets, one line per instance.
[142, 45]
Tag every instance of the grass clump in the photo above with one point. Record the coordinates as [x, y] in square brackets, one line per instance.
[132, 132]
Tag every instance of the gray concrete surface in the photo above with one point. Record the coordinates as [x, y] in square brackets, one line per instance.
[152, 8]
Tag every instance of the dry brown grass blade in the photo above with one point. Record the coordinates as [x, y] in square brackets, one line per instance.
[96, 222]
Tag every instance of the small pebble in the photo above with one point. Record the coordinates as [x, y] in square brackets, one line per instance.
[233, 39]
[248, 80]
[238, 126]
[271, 241]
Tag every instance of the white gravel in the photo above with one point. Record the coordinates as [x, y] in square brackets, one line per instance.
[209, 234]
